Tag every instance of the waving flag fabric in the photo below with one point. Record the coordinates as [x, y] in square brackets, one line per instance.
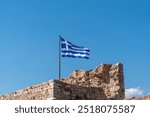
[70, 50]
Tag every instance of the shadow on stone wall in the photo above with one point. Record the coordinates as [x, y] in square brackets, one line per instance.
[64, 91]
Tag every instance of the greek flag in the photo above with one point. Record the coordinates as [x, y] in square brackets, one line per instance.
[70, 50]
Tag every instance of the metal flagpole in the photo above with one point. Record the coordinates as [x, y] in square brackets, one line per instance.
[59, 61]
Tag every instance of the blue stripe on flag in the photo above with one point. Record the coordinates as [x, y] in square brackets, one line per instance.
[74, 52]
[75, 56]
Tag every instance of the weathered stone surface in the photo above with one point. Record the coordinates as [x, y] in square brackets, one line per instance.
[104, 82]
[65, 91]
[36, 92]
[108, 77]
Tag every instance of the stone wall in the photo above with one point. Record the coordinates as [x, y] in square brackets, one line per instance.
[104, 82]
[65, 91]
[108, 77]
[35, 92]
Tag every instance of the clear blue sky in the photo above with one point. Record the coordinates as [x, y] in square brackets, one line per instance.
[114, 30]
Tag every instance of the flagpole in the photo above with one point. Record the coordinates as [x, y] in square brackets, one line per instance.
[59, 61]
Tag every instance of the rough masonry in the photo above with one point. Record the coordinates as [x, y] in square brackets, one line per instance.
[105, 82]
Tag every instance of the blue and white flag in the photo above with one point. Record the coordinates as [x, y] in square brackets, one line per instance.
[70, 50]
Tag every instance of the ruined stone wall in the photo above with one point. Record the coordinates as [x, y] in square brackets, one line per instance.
[65, 91]
[104, 82]
[36, 92]
[108, 77]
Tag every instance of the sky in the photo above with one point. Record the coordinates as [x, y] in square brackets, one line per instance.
[114, 30]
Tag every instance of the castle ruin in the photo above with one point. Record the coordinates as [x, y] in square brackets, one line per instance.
[105, 82]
